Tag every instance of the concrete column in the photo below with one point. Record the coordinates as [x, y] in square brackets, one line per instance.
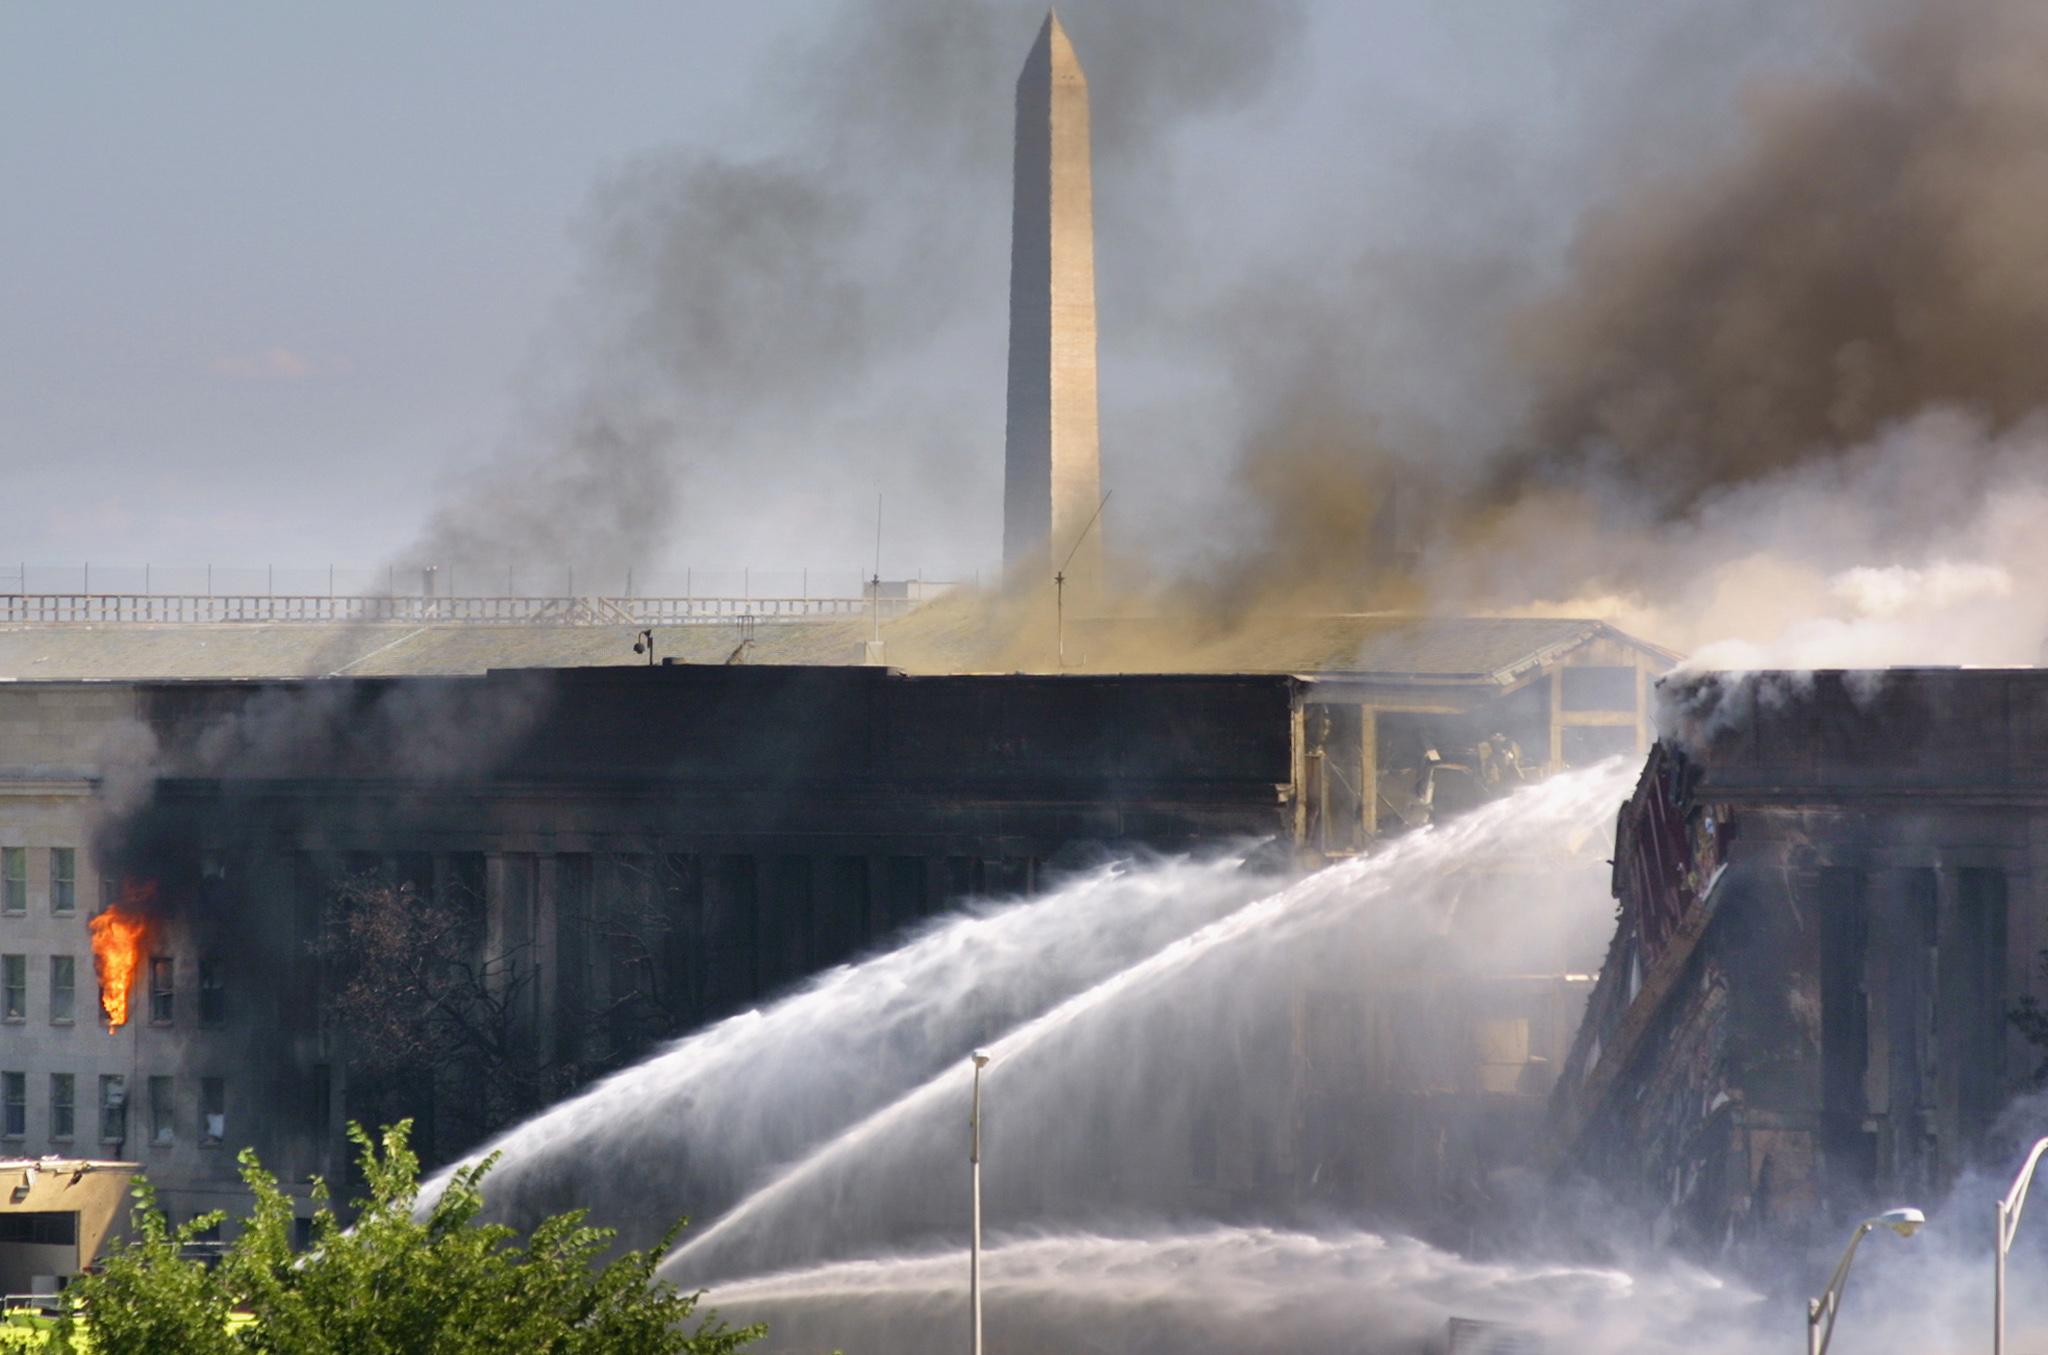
[1556, 681]
[547, 959]
[1369, 769]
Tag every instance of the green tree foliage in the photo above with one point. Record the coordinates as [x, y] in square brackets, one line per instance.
[395, 1283]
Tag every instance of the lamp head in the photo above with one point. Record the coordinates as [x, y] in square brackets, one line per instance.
[1904, 1222]
[980, 1057]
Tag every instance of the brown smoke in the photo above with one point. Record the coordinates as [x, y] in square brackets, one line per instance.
[1800, 343]
[1870, 249]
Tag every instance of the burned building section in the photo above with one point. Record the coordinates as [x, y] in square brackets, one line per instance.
[1428, 717]
[1829, 903]
[559, 868]
[458, 897]
[617, 854]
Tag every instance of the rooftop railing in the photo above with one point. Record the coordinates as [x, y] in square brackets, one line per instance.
[288, 608]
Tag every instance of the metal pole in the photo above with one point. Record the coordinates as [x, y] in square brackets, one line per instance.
[2008, 1224]
[1903, 1221]
[1059, 613]
[974, 1164]
[1998, 1285]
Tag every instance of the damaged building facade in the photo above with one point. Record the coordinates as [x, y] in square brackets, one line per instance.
[634, 851]
[1831, 906]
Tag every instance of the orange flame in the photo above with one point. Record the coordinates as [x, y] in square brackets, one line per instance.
[117, 936]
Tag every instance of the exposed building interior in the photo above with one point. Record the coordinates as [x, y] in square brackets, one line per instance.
[1815, 999]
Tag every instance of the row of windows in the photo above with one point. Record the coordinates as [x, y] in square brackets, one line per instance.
[113, 1107]
[63, 991]
[14, 880]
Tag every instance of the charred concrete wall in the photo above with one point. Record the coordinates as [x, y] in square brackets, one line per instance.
[1831, 902]
[689, 838]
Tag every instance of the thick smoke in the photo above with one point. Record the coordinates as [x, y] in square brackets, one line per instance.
[1758, 252]
[1912, 548]
[1868, 251]
[1779, 406]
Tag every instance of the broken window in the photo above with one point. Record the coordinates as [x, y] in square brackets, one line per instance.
[113, 1107]
[213, 1111]
[63, 1105]
[1335, 742]
[63, 879]
[13, 879]
[213, 997]
[14, 987]
[162, 976]
[14, 1099]
[162, 1113]
[63, 989]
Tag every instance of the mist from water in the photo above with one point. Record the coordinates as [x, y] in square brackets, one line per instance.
[693, 1127]
[1224, 1112]
[1233, 1072]
[1343, 1291]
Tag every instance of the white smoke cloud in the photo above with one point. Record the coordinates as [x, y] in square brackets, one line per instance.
[1910, 549]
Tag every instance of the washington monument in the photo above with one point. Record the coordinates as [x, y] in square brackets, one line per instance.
[1052, 481]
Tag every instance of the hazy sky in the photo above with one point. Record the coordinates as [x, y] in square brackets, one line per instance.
[281, 281]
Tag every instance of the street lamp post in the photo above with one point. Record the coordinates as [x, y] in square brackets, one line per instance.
[980, 1059]
[1904, 1222]
[2009, 1224]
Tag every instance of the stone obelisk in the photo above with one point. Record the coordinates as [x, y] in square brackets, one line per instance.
[1052, 482]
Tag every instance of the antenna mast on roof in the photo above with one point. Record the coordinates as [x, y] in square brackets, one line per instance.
[1059, 580]
[875, 584]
